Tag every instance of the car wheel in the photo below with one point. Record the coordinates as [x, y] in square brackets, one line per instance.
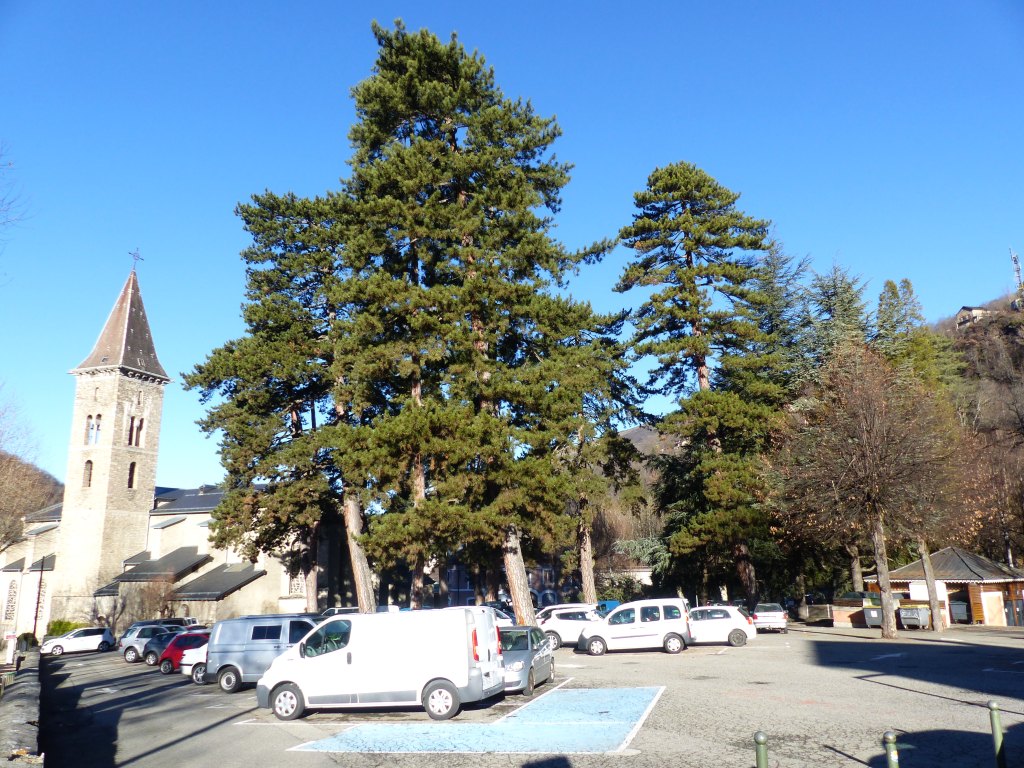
[131, 655]
[57, 650]
[166, 666]
[531, 683]
[737, 638]
[554, 640]
[596, 646]
[198, 674]
[441, 700]
[152, 659]
[228, 680]
[287, 702]
[104, 647]
[674, 644]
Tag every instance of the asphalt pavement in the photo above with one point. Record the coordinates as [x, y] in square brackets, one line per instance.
[824, 696]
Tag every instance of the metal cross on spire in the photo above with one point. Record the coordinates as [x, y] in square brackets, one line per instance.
[136, 257]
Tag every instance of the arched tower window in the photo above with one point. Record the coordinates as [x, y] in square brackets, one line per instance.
[88, 430]
[131, 431]
[96, 430]
[131, 475]
[87, 475]
[138, 433]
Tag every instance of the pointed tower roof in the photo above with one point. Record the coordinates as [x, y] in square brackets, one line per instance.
[125, 341]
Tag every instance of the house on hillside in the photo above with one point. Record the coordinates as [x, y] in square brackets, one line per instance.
[970, 315]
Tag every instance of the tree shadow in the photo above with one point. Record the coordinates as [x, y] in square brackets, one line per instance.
[548, 762]
[952, 749]
[79, 722]
[993, 672]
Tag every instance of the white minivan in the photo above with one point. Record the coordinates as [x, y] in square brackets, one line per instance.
[659, 623]
[439, 659]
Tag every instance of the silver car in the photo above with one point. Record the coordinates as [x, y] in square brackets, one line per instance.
[133, 641]
[528, 659]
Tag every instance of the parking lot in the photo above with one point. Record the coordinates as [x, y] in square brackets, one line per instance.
[824, 696]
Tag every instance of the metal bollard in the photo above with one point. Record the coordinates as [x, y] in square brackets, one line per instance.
[892, 755]
[997, 733]
[761, 749]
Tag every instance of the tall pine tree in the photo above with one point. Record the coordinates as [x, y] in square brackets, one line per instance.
[486, 371]
[697, 252]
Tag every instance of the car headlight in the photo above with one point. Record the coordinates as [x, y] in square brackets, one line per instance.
[516, 666]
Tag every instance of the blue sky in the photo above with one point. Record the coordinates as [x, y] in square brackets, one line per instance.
[885, 137]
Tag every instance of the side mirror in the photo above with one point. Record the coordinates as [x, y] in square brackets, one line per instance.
[302, 649]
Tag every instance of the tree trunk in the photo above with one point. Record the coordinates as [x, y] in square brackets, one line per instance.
[518, 583]
[312, 604]
[929, 579]
[309, 568]
[746, 572]
[362, 576]
[801, 596]
[586, 548]
[416, 583]
[442, 584]
[492, 579]
[478, 584]
[856, 571]
[882, 567]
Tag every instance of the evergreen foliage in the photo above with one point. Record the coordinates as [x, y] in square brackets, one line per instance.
[697, 251]
[405, 342]
[494, 384]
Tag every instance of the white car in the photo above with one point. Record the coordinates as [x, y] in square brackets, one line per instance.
[642, 624]
[563, 625]
[770, 616]
[502, 619]
[544, 613]
[83, 639]
[721, 624]
[193, 664]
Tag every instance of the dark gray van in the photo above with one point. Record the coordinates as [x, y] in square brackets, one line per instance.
[240, 650]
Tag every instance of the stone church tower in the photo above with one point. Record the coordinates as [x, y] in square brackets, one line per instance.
[112, 454]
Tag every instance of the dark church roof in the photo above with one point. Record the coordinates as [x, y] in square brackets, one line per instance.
[219, 582]
[183, 501]
[125, 341]
[958, 565]
[172, 567]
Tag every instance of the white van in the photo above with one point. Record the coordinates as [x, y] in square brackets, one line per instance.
[659, 623]
[436, 659]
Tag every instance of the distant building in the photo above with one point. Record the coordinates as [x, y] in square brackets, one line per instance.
[969, 315]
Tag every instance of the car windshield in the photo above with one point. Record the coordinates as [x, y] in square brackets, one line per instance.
[514, 640]
[768, 608]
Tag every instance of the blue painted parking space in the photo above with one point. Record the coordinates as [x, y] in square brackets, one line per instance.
[563, 721]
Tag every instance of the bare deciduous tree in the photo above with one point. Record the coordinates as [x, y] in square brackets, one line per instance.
[24, 488]
[872, 450]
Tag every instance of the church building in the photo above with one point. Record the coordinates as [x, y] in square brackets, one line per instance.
[118, 548]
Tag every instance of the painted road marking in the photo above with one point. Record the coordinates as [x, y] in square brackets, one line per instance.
[562, 721]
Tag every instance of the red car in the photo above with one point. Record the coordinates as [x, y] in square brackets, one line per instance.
[170, 659]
